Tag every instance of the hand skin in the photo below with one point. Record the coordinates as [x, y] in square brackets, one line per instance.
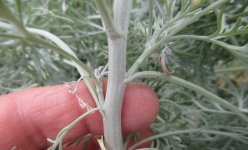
[29, 117]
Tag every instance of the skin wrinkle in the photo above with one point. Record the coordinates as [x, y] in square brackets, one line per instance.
[66, 118]
[48, 113]
[5, 122]
[17, 123]
[56, 109]
[41, 108]
[36, 96]
[32, 128]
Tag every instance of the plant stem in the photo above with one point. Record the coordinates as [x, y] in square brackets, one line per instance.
[5, 13]
[171, 33]
[230, 69]
[65, 130]
[189, 85]
[63, 49]
[116, 76]
[144, 55]
[116, 70]
[238, 51]
[106, 18]
[59, 50]
[114, 96]
[190, 131]
[209, 39]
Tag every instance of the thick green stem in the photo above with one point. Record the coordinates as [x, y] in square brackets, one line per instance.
[114, 96]
[117, 71]
[117, 42]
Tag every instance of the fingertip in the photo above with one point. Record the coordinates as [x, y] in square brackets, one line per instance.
[139, 110]
[140, 107]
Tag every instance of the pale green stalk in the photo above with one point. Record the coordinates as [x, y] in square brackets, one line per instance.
[117, 40]
[62, 48]
[65, 130]
[47, 45]
[188, 131]
[239, 51]
[172, 32]
[212, 40]
[106, 18]
[5, 13]
[189, 85]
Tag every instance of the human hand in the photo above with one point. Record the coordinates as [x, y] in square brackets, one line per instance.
[29, 117]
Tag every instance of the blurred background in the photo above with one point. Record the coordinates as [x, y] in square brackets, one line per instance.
[77, 23]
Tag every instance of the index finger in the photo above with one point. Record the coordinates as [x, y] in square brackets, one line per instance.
[29, 117]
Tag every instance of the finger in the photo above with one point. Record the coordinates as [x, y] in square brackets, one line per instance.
[92, 144]
[139, 109]
[29, 117]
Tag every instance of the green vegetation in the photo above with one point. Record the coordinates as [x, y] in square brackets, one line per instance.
[203, 104]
